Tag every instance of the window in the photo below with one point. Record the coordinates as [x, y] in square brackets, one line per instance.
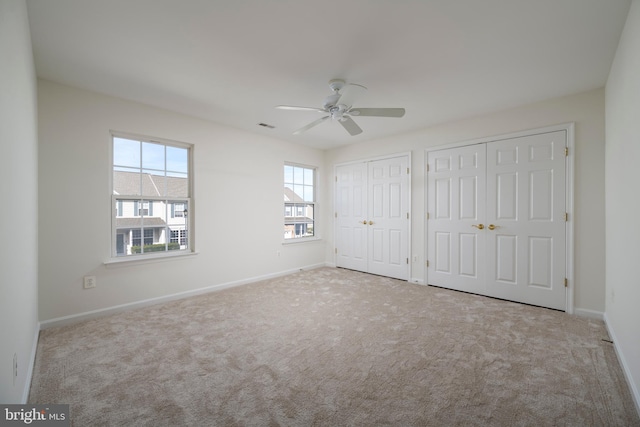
[151, 196]
[178, 210]
[143, 209]
[299, 201]
[136, 236]
[179, 236]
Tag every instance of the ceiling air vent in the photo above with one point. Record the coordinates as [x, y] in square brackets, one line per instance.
[264, 125]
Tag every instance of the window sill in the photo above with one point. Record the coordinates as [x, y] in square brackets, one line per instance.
[144, 259]
[301, 240]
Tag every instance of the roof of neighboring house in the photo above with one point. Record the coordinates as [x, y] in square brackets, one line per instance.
[128, 184]
[149, 222]
[291, 196]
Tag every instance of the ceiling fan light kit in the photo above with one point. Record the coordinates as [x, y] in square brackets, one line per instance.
[339, 107]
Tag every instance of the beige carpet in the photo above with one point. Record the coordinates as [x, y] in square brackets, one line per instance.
[334, 347]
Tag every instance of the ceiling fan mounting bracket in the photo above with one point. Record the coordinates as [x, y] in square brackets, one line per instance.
[336, 84]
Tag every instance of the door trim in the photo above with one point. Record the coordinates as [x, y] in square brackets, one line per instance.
[406, 154]
[569, 195]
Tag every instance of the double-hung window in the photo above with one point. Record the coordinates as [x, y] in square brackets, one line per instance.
[151, 196]
[299, 201]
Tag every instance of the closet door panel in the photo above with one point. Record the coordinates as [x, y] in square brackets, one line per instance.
[351, 213]
[455, 234]
[526, 207]
[388, 224]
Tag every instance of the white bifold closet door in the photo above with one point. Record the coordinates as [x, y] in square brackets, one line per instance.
[372, 217]
[497, 219]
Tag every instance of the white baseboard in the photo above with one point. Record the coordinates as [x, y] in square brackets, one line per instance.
[592, 314]
[32, 362]
[75, 318]
[625, 366]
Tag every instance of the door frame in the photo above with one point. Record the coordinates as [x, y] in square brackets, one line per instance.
[406, 154]
[569, 194]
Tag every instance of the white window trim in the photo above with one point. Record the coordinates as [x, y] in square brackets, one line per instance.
[156, 256]
[301, 240]
[316, 204]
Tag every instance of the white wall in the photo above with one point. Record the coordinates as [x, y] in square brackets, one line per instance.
[238, 204]
[623, 200]
[586, 110]
[18, 192]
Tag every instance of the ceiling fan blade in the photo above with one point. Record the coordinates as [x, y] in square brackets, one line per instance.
[350, 126]
[310, 125]
[291, 107]
[377, 112]
[349, 93]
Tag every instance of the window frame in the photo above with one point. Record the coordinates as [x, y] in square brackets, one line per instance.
[117, 210]
[294, 204]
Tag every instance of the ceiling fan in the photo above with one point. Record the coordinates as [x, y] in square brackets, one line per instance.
[339, 107]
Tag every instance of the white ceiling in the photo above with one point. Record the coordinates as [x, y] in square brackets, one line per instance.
[233, 61]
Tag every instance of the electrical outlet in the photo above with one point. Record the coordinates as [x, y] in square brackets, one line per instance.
[89, 282]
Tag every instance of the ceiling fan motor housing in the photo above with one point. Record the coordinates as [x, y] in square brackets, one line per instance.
[338, 112]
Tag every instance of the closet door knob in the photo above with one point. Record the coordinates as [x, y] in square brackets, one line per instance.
[479, 226]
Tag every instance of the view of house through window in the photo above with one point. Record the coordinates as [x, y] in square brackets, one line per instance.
[150, 196]
[299, 201]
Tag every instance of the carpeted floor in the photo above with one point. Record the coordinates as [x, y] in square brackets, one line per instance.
[333, 347]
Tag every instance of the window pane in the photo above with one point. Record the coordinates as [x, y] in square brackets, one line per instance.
[177, 185]
[126, 152]
[153, 183]
[298, 175]
[308, 176]
[126, 182]
[156, 172]
[300, 221]
[299, 190]
[153, 156]
[145, 226]
[308, 193]
[288, 193]
[177, 224]
[177, 159]
[126, 214]
[178, 214]
[288, 174]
